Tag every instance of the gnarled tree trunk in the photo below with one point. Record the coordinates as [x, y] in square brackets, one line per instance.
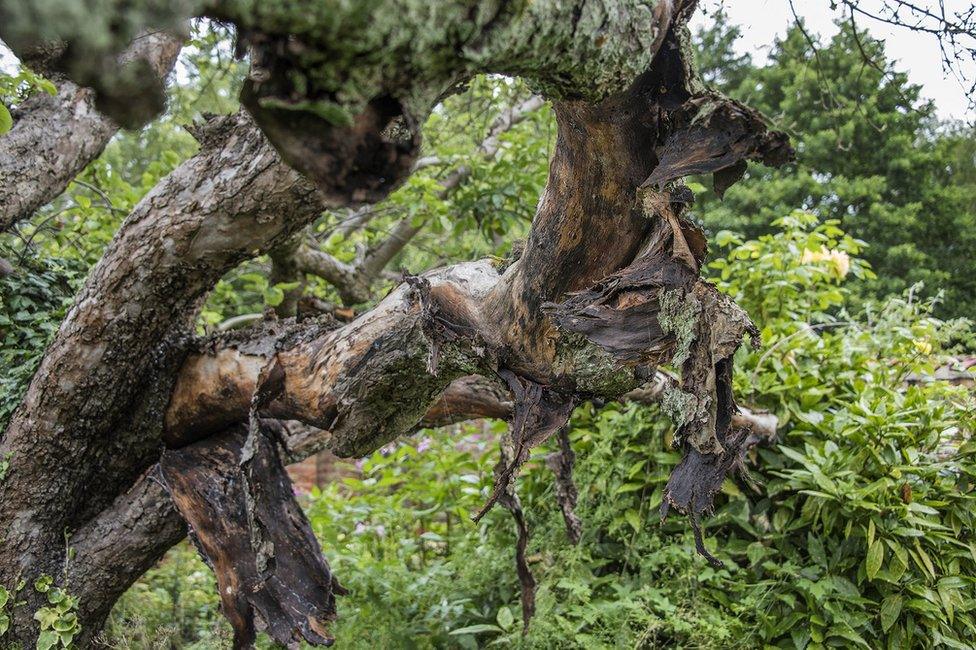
[131, 425]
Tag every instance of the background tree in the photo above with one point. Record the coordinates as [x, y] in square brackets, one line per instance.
[870, 153]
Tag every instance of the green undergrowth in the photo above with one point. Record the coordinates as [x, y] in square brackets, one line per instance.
[857, 534]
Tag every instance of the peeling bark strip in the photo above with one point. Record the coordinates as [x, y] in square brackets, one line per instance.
[270, 571]
[561, 463]
[540, 411]
[696, 480]
[712, 133]
[508, 499]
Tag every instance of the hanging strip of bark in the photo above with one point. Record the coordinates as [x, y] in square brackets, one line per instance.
[540, 411]
[510, 501]
[281, 585]
[657, 311]
[561, 463]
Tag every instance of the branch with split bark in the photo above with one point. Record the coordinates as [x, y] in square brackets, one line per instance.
[607, 288]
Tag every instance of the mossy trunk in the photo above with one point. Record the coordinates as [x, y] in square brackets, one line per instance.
[593, 304]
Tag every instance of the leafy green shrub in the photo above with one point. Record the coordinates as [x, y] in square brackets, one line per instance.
[33, 300]
[859, 533]
[174, 605]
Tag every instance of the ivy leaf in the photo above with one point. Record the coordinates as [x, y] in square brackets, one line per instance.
[505, 618]
[46, 640]
[875, 557]
[6, 120]
[890, 609]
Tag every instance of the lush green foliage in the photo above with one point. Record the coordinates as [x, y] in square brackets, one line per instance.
[859, 533]
[870, 153]
[33, 301]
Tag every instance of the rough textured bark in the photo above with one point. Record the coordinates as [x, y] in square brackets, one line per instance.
[99, 394]
[606, 288]
[234, 493]
[124, 541]
[55, 137]
[647, 308]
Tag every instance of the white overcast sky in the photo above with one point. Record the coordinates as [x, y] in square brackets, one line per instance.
[763, 20]
[918, 54]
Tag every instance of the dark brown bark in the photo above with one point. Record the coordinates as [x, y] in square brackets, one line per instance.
[115, 548]
[237, 498]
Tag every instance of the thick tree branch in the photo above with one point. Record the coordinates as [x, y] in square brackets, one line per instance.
[54, 138]
[94, 400]
[118, 546]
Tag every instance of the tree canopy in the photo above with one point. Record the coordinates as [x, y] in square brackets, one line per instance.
[872, 154]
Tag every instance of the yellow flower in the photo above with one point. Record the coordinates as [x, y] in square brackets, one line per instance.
[923, 346]
[840, 260]
[809, 256]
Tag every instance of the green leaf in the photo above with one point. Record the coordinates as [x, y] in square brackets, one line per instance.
[755, 552]
[46, 617]
[47, 640]
[476, 629]
[6, 120]
[505, 618]
[816, 550]
[875, 556]
[273, 296]
[633, 518]
[890, 609]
